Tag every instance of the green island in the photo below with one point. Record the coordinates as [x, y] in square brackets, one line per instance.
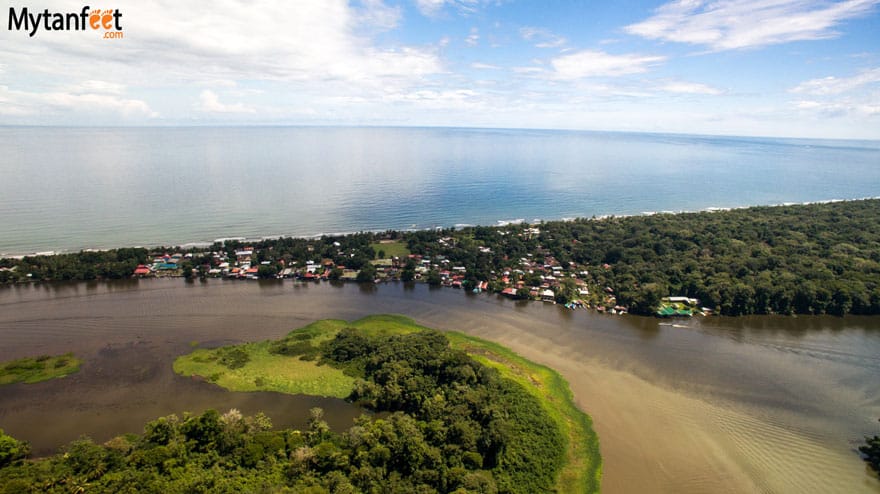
[36, 369]
[451, 414]
[871, 452]
[821, 258]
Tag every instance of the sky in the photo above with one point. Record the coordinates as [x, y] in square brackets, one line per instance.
[790, 68]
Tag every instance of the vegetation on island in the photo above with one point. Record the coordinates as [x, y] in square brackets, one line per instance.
[12, 450]
[36, 369]
[267, 366]
[871, 452]
[458, 415]
[801, 259]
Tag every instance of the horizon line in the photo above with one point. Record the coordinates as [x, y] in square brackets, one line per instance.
[400, 126]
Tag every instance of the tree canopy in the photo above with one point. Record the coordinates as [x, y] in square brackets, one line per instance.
[447, 424]
[802, 259]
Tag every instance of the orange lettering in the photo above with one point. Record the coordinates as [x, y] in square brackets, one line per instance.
[107, 19]
[95, 19]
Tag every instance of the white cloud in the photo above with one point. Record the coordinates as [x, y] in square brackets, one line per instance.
[209, 102]
[325, 62]
[433, 8]
[429, 94]
[484, 66]
[378, 15]
[856, 107]
[856, 96]
[66, 102]
[870, 108]
[528, 70]
[682, 87]
[807, 105]
[473, 38]
[544, 38]
[225, 83]
[836, 85]
[318, 41]
[737, 24]
[99, 102]
[315, 50]
[95, 86]
[438, 100]
[430, 7]
[591, 63]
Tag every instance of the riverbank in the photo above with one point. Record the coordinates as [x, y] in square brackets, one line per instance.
[257, 368]
[812, 259]
[672, 435]
[715, 405]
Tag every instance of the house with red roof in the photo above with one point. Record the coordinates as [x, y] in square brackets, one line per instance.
[510, 292]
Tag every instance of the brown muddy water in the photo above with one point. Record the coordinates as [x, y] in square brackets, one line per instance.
[762, 404]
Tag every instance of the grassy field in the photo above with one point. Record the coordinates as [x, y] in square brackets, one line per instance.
[391, 249]
[270, 372]
[36, 369]
[266, 371]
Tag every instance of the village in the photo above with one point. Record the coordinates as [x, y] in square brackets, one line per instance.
[535, 277]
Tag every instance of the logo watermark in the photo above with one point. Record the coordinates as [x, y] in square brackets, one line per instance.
[106, 20]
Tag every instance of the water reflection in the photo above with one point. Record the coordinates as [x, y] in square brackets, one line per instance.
[816, 377]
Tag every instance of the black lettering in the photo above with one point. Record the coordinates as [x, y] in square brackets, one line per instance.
[116, 16]
[35, 22]
[72, 20]
[84, 15]
[27, 21]
[19, 22]
[57, 22]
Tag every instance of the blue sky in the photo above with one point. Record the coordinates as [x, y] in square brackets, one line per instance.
[757, 67]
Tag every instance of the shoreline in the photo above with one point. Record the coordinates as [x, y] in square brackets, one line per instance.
[456, 226]
[658, 437]
[643, 416]
[584, 462]
[802, 259]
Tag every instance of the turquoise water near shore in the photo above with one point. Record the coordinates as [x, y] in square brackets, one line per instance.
[75, 188]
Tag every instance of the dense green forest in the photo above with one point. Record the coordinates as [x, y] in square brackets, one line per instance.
[806, 259]
[448, 424]
[801, 259]
[85, 265]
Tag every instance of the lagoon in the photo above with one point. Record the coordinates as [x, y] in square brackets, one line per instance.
[752, 404]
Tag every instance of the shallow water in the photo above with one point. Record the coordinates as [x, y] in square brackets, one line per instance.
[764, 404]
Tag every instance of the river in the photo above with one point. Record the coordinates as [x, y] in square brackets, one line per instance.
[756, 404]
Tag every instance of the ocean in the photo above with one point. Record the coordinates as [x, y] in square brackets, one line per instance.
[65, 189]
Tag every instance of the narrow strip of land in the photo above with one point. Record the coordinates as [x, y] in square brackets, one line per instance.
[804, 259]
